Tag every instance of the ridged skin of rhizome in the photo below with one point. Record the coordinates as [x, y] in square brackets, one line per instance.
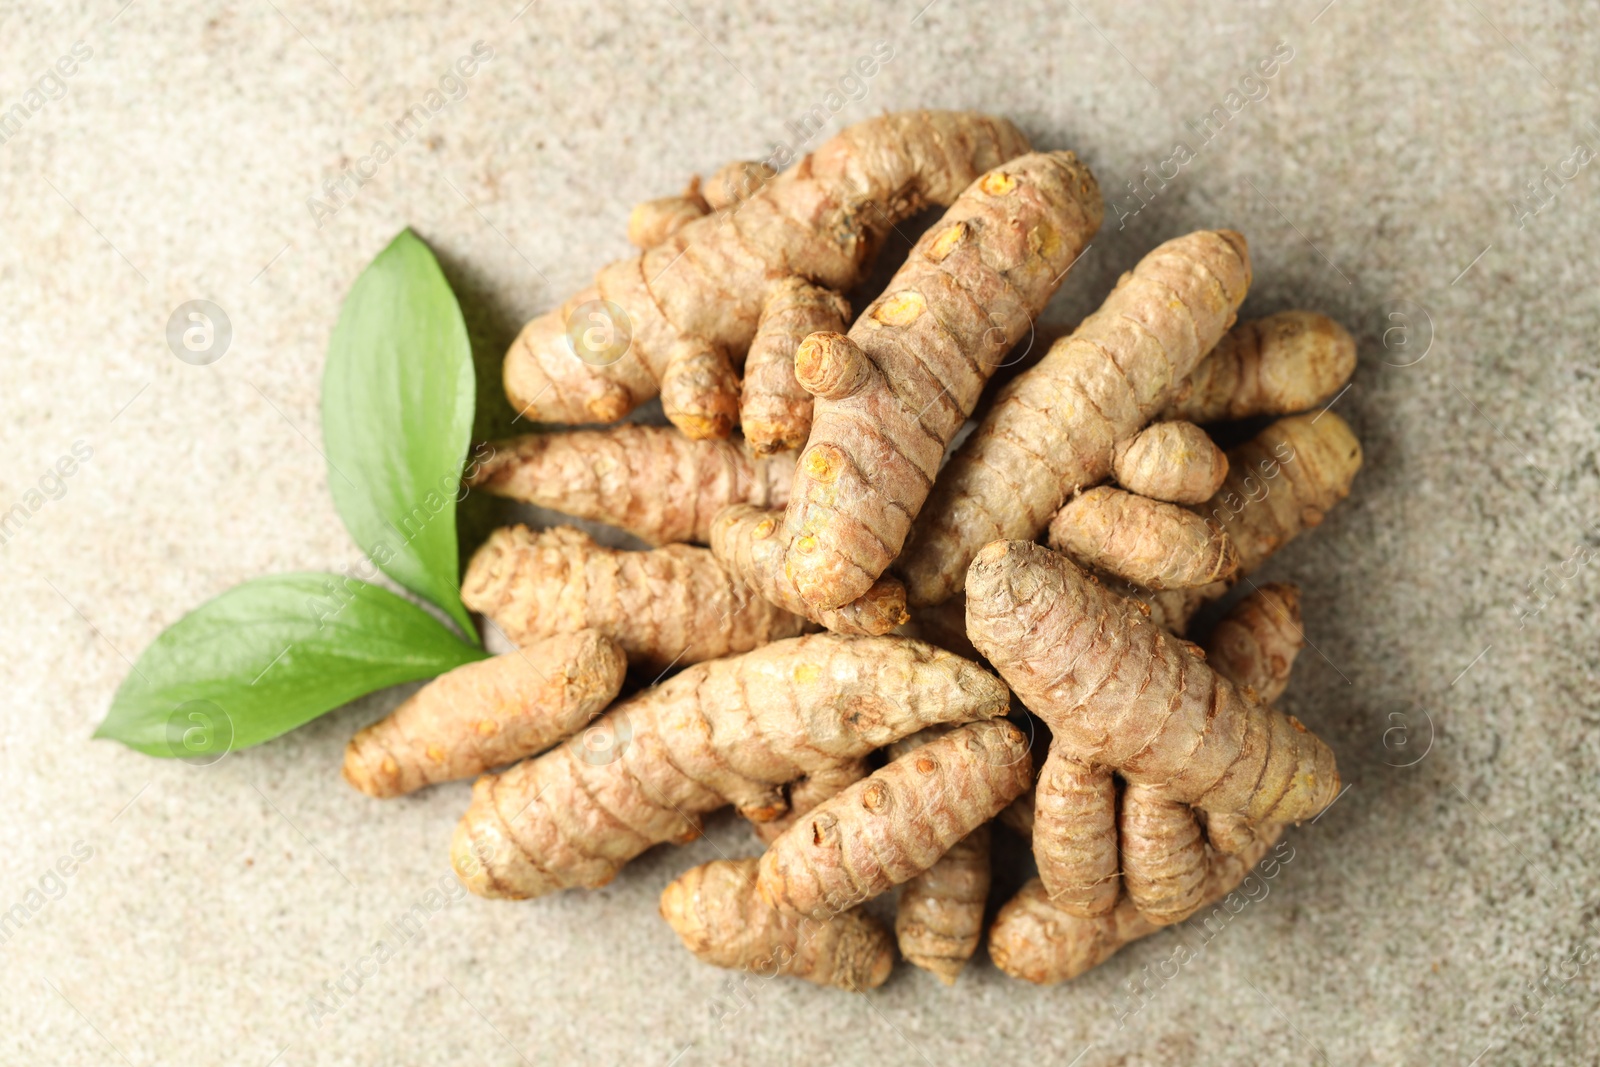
[1036, 940]
[1054, 429]
[891, 395]
[1123, 693]
[731, 731]
[716, 911]
[667, 607]
[651, 481]
[707, 283]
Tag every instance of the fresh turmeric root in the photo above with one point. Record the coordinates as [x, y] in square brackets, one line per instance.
[487, 713]
[1045, 937]
[1074, 834]
[897, 822]
[744, 540]
[1172, 461]
[689, 306]
[670, 606]
[1284, 363]
[774, 408]
[1054, 429]
[1255, 644]
[716, 911]
[891, 394]
[1283, 481]
[1279, 484]
[1124, 694]
[938, 920]
[1041, 936]
[1148, 542]
[730, 731]
[733, 183]
[1036, 940]
[651, 481]
[1163, 854]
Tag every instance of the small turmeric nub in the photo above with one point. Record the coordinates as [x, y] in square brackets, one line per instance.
[653, 221]
[774, 408]
[1172, 461]
[938, 920]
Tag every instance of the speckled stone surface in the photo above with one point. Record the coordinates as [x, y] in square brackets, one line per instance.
[1444, 911]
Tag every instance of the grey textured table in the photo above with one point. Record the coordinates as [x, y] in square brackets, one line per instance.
[1443, 910]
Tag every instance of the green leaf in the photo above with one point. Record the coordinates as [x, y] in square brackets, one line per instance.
[397, 403]
[270, 655]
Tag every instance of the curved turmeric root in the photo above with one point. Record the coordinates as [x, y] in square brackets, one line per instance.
[1150, 543]
[1163, 854]
[896, 823]
[774, 408]
[1037, 941]
[731, 731]
[670, 606]
[715, 910]
[1074, 830]
[608, 349]
[651, 481]
[938, 920]
[487, 713]
[891, 394]
[1284, 363]
[1054, 428]
[1172, 461]
[744, 540]
[1122, 693]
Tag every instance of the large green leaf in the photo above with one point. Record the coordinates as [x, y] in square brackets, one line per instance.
[269, 655]
[397, 402]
